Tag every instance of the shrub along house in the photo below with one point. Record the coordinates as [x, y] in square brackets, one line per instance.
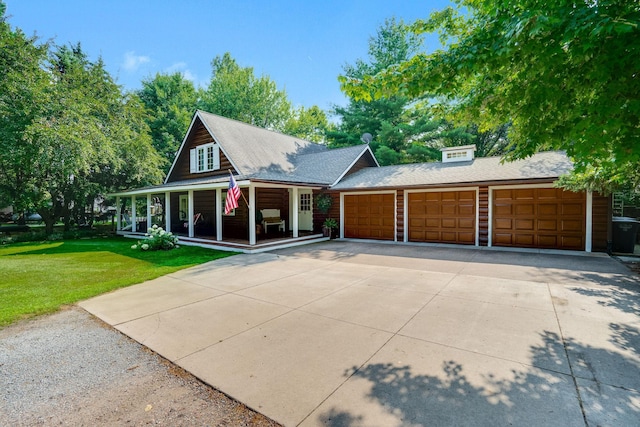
[461, 200]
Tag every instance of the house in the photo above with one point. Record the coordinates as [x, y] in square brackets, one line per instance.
[461, 200]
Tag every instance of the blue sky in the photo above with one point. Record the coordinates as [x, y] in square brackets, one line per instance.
[301, 45]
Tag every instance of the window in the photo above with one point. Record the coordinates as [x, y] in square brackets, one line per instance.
[456, 154]
[305, 202]
[205, 158]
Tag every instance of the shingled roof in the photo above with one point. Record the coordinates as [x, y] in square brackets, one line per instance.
[546, 165]
[261, 154]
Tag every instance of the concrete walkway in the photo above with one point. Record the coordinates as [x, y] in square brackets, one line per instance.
[361, 334]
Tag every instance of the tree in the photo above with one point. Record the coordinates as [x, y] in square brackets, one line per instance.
[22, 96]
[235, 92]
[86, 139]
[402, 130]
[310, 124]
[562, 73]
[169, 100]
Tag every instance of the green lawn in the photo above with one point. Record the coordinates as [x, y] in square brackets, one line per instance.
[37, 278]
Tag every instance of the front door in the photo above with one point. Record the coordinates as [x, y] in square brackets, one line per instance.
[305, 210]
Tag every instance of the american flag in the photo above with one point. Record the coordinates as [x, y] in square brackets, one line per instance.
[232, 196]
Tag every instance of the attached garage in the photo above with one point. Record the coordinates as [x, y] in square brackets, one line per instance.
[538, 218]
[442, 216]
[369, 216]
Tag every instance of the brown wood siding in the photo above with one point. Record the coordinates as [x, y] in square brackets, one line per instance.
[369, 216]
[274, 198]
[198, 136]
[400, 215]
[365, 161]
[538, 218]
[204, 203]
[334, 211]
[237, 227]
[483, 216]
[601, 218]
[442, 217]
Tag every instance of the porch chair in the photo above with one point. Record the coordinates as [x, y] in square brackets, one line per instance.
[272, 217]
[196, 218]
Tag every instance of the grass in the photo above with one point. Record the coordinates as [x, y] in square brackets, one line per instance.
[38, 278]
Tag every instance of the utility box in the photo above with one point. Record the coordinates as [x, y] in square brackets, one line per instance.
[624, 234]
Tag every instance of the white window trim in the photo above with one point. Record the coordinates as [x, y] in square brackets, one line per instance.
[194, 154]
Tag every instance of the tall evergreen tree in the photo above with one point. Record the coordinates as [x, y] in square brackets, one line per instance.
[170, 101]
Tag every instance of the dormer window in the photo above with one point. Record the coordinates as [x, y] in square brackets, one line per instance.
[458, 154]
[205, 158]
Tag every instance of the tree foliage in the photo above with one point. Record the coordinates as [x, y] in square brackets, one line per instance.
[68, 135]
[563, 74]
[235, 92]
[310, 124]
[169, 100]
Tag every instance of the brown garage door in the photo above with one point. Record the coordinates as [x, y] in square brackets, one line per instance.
[369, 216]
[539, 218]
[443, 217]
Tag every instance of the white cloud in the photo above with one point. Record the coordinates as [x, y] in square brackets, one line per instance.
[181, 67]
[132, 62]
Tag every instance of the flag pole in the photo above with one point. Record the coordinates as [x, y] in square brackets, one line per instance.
[241, 193]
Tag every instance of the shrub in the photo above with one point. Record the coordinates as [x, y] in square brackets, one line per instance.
[157, 239]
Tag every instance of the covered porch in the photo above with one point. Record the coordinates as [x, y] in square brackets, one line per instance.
[269, 215]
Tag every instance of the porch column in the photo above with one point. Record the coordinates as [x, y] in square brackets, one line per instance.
[218, 211]
[118, 215]
[149, 210]
[342, 216]
[589, 225]
[134, 221]
[252, 214]
[167, 211]
[190, 213]
[296, 202]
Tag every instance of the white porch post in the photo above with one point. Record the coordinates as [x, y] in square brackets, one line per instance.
[342, 215]
[589, 226]
[190, 213]
[134, 221]
[149, 210]
[252, 214]
[118, 215]
[295, 209]
[218, 211]
[167, 211]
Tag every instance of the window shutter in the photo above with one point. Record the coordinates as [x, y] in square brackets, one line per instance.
[193, 165]
[216, 157]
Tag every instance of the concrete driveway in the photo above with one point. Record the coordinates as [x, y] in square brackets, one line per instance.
[350, 334]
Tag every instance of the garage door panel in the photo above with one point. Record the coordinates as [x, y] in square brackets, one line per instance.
[523, 194]
[524, 224]
[569, 225]
[572, 209]
[503, 224]
[466, 210]
[547, 225]
[539, 218]
[502, 195]
[448, 209]
[449, 223]
[547, 209]
[449, 216]
[501, 210]
[523, 239]
[369, 216]
[547, 241]
[466, 223]
[527, 209]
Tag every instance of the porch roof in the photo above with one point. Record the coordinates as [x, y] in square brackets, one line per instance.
[551, 164]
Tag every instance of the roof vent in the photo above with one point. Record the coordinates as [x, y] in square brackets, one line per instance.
[463, 153]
